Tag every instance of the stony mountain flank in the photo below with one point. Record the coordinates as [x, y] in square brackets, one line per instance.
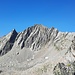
[37, 50]
[7, 42]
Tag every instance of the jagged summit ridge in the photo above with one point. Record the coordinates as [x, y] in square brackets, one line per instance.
[35, 37]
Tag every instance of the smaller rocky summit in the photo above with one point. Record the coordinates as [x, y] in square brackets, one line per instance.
[6, 42]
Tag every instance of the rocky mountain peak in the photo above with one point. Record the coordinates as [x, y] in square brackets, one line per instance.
[36, 27]
[40, 26]
[38, 50]
[7, 42]
[13, 35]
[14, 31]
[35, 37]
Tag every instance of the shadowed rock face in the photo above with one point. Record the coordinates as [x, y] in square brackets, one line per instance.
[7, 42]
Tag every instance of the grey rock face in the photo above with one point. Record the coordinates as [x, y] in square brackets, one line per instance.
[71, 51]
[7, 42]
[35, 37]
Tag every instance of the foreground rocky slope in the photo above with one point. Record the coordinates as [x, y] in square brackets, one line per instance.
[37, 50]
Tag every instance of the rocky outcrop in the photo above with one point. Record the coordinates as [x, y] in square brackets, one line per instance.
[70, 54]
[69, 68]
[72, 48]
[6, 42]
[62, 69]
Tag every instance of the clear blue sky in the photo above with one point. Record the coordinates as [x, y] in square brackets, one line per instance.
[20, 14]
